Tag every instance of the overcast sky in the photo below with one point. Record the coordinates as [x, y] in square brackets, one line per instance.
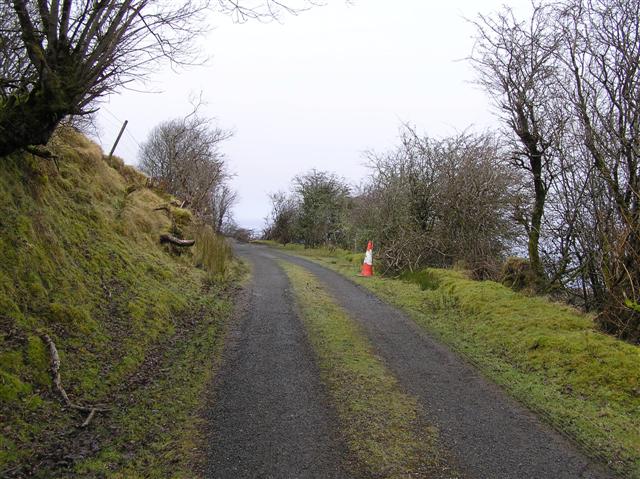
[317, 89]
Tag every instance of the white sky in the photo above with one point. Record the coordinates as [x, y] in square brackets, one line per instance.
[318, 89]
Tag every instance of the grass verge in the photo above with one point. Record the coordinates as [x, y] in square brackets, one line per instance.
[548, 356]
[135, 322]
[156, 431]
[381, 425]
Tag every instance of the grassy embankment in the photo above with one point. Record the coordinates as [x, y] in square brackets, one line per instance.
[547, 355]
[136, 324]
[381, 425]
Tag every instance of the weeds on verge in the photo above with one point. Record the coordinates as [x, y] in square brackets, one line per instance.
[212, 253]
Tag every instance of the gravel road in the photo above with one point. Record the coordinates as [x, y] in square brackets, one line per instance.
[271, 418]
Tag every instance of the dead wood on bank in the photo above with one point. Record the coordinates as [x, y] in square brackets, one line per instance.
[57, 382]
[168, 238]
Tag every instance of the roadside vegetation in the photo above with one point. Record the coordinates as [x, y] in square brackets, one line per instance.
[548, 204]
[557, 186]
[136, 323]
[549, 356]
[382, 426]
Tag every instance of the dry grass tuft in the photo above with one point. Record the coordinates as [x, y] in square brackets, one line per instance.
[212, 253]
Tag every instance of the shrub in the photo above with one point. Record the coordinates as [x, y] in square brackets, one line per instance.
[518, 275]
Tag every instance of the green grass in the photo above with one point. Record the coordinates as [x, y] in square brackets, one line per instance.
[382, 425]
[547, 355]
[80, 261]
[160, 429]
[332, 254]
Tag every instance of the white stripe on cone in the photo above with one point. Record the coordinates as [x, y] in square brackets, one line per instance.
[368, 257]
[367, 265]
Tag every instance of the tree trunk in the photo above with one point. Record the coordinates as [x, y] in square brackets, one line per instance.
[536, 224]
[32, 119]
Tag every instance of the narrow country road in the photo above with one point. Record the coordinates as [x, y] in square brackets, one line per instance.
[270, 416]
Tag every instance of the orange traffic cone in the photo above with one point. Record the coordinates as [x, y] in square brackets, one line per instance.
[367, 265]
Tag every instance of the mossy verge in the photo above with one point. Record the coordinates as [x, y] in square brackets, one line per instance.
[81, 262]
[159, 428]
[547, 355]
[382, 425]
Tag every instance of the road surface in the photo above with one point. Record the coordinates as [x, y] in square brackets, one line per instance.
[271, 417]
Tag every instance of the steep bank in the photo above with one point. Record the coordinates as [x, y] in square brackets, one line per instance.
[134, 322]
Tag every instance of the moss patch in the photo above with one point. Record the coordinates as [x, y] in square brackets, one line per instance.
[381, 424]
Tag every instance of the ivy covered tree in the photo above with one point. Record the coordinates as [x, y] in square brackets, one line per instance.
[314, 213]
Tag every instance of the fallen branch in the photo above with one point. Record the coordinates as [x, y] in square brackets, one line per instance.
[167, 238]
[57, 381]
[55, 367]
[89, 418]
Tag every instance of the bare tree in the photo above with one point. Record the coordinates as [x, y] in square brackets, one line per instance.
[601, 51]
[568, 84]
[242, 11]
[437, 202]
[476, 193]
[184, 157]
[64, 55]
[516, 63]
[222, 200]
[401, 202]
[58, 57]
